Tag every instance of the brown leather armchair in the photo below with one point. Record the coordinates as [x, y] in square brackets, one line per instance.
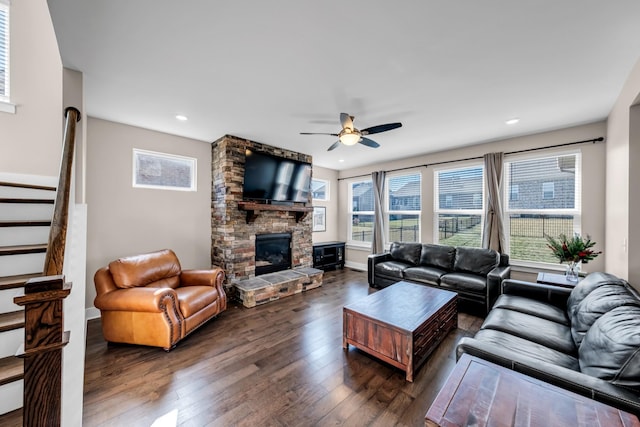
[148, 299]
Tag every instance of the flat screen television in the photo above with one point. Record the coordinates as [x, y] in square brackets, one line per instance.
[270, 178]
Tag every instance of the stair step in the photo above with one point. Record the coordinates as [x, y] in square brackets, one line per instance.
[11, 321]
[27, 223]
[11, 369]
[23, 249]
[30, 186]
[12, 282]
[27, 201]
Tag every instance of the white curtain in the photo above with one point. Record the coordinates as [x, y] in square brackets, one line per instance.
[377, 244]
[493, 232]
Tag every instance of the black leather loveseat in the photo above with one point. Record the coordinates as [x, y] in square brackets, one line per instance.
[586, 340]
[474, 273]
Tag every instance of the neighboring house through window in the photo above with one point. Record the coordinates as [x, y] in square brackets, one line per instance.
[548, 203]
[403, 208]
[458, 206]
[361, 213]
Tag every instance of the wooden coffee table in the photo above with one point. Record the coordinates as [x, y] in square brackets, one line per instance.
[481, 393]
[401, 324]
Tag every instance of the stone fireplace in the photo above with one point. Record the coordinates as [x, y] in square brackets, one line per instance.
[234, 226]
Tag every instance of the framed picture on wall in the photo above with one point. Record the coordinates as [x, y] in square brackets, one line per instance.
[163, 171]
[319, 218]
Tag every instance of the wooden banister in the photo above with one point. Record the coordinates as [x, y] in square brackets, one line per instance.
[54, 259]
[42, 351]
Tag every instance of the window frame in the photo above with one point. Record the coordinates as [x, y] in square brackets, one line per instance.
[326, 193]
[191, 162]
[437, 211]
[387, 211]
[5, 99]
[576, 211]
[349, 239]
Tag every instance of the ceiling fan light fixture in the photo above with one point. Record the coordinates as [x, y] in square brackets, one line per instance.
[349, 138]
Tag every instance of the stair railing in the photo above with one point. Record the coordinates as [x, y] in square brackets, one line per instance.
[42, 299]
[54, 259]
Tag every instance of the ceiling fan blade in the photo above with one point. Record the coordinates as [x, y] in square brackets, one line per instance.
[380, 128]
[369, 142]
[335, 144]
[346, 121]
[315, 133]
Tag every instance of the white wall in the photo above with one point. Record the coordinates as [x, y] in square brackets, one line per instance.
[621, 155]
[331, 205]
[123, 220]
[593, 162]
[31, 139]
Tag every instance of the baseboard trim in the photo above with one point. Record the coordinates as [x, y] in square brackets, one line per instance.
[356, 265]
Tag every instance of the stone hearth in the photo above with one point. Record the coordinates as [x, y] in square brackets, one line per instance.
[273, 286]
[232, 233]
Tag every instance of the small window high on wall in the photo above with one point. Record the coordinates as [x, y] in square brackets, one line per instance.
[548, 203]
[4, 51]
[458, 206]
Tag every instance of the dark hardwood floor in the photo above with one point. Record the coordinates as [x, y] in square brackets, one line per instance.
[279, 364]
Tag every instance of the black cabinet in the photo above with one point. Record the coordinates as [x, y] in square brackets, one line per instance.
[328, 255]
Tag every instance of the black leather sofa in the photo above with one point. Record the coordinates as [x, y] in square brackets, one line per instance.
[586, 340]
[474, 273]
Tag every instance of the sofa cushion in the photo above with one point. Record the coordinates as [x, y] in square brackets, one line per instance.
[424, 274]
[610, 349]
[599, 301]
[534, 307]
[475, 260]
[528, 348]
[408, 253]
[464, 282]
[587, 285]
[532, 328]
[391, 269]
[158, 269]
[438, 256]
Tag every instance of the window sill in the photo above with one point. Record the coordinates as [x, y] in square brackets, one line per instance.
[359, 247]
[7, 107]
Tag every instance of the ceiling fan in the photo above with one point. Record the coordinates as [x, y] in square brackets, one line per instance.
[349, 135]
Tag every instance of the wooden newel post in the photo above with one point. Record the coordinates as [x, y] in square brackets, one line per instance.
[44, 339]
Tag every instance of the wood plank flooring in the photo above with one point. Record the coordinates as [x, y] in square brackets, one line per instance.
[279, 364]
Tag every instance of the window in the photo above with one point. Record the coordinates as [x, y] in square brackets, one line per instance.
[320, 189]
[459, 195]
[163, 171]
[548, 190]
[4, 51]
[514, 193]
[548, 203]
[361, 213]
[403, 208]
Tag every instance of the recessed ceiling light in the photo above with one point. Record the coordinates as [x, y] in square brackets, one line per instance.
[512, 121]
[341, 160]
[182, 118]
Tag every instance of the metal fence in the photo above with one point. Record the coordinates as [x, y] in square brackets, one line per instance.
[449, 226]
[540, 225]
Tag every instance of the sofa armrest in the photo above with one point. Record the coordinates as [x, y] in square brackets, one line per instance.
[213, 277]
[577, 382]
[372, 260]
[151, 300]
[494, 281]
[556, 295]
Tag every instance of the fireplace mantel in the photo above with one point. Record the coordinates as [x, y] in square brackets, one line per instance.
[253, 208]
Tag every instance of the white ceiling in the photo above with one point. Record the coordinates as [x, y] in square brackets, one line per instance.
[451, 71]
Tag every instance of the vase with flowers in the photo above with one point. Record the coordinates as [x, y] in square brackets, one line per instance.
[572, 250]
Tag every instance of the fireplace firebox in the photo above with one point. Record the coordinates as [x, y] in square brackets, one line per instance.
[273, 252]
